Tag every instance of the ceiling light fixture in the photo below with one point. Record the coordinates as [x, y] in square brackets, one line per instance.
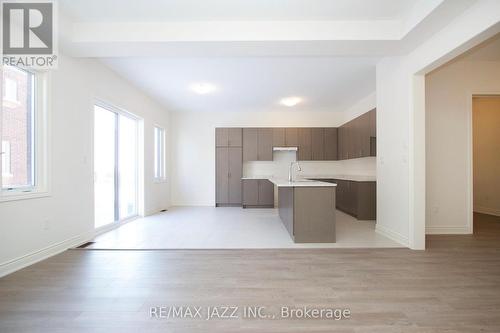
[290, 101]
[203, 88]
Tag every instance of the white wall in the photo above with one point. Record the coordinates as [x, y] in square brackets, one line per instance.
[193, 144]
[68, 211]
[401, 121]
[448, 134]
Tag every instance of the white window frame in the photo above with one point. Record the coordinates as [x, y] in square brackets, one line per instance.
[40, 143]
[159, 170]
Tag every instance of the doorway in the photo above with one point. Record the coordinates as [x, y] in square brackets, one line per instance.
[486, 157]
[115, 165]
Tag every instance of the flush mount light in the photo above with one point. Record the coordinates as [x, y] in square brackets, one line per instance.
[291, 101]
[203, 88]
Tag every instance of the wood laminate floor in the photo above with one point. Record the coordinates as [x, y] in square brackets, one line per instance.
[454, 286]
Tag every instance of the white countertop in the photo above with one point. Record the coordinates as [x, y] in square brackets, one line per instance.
[298, 183]
[307, 178]
[258, 177]
[356, 178]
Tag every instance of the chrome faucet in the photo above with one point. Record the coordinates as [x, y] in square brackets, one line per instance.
[290, 170]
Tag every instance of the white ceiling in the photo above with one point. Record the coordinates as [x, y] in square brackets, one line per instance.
[251, 84]
[255, 51]
[194, 10]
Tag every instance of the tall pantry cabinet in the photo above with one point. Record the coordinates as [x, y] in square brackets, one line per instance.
[228, 165]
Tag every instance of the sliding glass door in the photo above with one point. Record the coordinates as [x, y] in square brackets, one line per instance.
[115, 166]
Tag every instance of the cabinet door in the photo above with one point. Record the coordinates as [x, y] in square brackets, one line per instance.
[279, 137]
[373, 122]
[266, 193]
[364, 145]
[331, 144]
[340, 142]
[221, 137]
[356, 137]
[250, 192]
[318, 144]
[350, 140]
[373, 132]
[291, 137]
[250, 144]
[235, 173]
[234, 138]
[221, 175]
[352, 197]
[265, 144]
[305, 149]
[339, 195]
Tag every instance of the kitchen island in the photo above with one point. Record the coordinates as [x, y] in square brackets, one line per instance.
[307, 209]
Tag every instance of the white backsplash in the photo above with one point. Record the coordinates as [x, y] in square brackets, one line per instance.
[278, 168]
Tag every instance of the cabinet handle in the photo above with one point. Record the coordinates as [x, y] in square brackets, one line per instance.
[229, 175]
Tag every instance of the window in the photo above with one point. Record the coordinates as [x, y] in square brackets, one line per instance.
[159, 153]
[10, 90]
[21, 132]
[6, 169]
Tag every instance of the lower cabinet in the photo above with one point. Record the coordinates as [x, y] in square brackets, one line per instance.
[258, 193]
[358, 199]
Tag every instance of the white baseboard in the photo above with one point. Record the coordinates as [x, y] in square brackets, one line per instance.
[447, 230]
[487, 210]
[395, 236]
[31, 258]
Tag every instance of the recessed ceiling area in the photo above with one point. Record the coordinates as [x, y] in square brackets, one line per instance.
[189, 10]
[251, 84]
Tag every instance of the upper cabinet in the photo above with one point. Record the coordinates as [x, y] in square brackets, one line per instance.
[257, 144]
[331, 144]
[228, 137]
[357, 138]
[373, 132]
[279, 137]
[291, 137]
[318, 144]
[265, 144]
[305, 145]
[250, 144]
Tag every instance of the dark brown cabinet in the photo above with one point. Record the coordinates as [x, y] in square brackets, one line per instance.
[257, 144]
[228, 176]
[279, 137]
[356, 198]
[258, 193]
[373, 132]
[265, 144]
[318, 144]
[357, 138]
[250, 144]
[291, 137]
[228, 137]
[304, 144]
[331, 144]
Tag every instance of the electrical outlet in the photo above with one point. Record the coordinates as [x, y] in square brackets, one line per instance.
[435, 210]
[46, 225]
